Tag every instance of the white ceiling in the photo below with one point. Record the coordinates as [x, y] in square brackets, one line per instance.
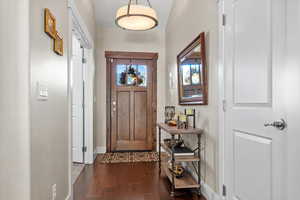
[106, 10]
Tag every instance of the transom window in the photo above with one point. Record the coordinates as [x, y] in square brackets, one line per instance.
[131, 75]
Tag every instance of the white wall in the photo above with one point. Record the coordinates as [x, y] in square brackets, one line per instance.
[115, 39]
[187, 20]
[14, 100]
[49, 119]
[292, 79]
[86, 10]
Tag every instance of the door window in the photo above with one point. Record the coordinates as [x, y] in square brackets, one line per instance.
[131, 75]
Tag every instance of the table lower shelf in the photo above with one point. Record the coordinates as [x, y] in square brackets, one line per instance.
[187, 181]
[180, 158]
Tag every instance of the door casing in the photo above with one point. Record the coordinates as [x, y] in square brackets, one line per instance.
[110, 55]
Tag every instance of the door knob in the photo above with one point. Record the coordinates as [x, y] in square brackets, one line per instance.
[281, 124]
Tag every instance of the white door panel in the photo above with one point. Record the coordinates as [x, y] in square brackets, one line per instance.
[77, 101]
[252, 51]
[253, 46]
[252, 166]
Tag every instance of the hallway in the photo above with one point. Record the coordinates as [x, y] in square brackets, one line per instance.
[212, 84]
[134, 181]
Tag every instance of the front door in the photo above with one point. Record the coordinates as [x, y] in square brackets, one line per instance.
[132, 104]
[254, 64]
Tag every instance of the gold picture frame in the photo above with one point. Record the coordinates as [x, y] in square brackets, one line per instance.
[59, 45]
[50, 23]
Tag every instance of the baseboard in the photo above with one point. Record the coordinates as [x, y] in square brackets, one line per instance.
[100, 149]
[209, 193]
[95, 154]
[69, 197]
[206, 190]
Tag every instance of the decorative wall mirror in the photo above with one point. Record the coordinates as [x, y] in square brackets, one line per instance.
[192, 73]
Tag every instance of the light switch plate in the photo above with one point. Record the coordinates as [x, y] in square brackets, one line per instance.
[42, 91]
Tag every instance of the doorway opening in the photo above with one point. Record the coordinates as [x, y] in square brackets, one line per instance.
[131, 101]
[78, 108]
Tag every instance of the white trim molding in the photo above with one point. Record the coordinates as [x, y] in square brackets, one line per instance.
[79, 24]
[209, 193]
[221, 101]
[69, 197]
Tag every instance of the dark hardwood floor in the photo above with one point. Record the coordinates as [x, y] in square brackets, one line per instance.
[130, 181]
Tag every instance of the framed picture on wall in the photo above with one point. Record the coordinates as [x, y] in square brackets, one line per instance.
[50, 23]
[59, 45]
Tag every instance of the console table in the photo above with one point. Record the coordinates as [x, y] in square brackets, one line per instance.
[188, 180]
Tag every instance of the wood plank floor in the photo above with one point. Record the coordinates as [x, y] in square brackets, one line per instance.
[130, 181]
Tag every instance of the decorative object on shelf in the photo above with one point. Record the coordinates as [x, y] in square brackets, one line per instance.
[192, 73]
[173, 143]
[182, 151]
[191, 113]
[172, 123]
[59, 45]
[169, 113]
[178, 170]
[136, 17]
[182, 122]
[50, 23]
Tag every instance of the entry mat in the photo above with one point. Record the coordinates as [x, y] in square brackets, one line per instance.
[128, 157]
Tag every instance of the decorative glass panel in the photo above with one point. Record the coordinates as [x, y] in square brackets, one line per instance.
[142, 73]
[120, 74]
[131, 75]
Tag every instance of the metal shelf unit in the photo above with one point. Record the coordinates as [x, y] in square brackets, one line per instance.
[188, 180]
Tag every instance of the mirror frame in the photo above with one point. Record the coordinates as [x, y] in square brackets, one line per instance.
[194, 101]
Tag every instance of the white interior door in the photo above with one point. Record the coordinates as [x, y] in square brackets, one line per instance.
[254, 64]
[77, 101]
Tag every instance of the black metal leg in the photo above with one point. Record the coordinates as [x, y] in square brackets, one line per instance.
[159, 149]
[173, 167]
[199, 164]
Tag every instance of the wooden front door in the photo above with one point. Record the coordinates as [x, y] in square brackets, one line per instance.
[132, 104]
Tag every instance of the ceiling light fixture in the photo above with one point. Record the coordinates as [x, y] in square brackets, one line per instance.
[136, 17]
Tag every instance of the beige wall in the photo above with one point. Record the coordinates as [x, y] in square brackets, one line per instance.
[115, 39]
[187, 20]
[14, 100]
[86, 10]
[49, 119]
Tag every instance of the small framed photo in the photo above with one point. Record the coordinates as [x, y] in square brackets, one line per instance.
[59, 45]
[50, 23]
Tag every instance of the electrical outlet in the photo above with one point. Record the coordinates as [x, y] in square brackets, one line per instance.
[53, 192]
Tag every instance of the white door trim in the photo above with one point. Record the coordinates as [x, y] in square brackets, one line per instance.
[221, 99]
[77, 23]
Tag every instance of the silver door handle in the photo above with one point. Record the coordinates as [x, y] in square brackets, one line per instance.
[281, 124]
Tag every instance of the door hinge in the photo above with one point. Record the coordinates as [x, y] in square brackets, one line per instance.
[224, 105]
[84, 60]
[224, 192]
[84, 149]
[224, 20]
